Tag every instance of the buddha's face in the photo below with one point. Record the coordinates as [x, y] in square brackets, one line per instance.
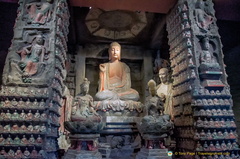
[163, 75]
[114, 53]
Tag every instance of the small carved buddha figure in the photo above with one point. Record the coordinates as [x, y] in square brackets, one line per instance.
[222, 122]
[209, 135]
[15, 128]
[30, 128]
[202, 135]
[2, 140]
[11, 153]
[42, 104]
[15, 115]
[233, 125]
[43, 116]
[3, 152]
[208, 112]
[229, 145]
[28, 103]
[18, 153]
[196, 135]
[7, 103]
[23, 128]
[21, 103]
[199, 147]
[8, 140]
[220, 135]
[205, 146]
[221, 102]
[217, 123]
[39, 140]
[235, 145]
[206, 123]
[34, 153]
[35, 103]
[22, 115]
[8, 115]
[26, 153]
[214, 134]
[17, 140]
[7, 128]
[29, 115]
[199, 122]
[219, 112]
[210, 102]
[37, 115]
[218, 147]
[43, 128]
[231, 135]
[24, 140]
[36, 129]
[211, 147]
[223, 146]
[202, 112]
[14, 103]
[31, 140]
[115, 81]
[230, 112]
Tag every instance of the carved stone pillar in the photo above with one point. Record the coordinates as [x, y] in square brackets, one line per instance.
[202, 101]
[32, 89]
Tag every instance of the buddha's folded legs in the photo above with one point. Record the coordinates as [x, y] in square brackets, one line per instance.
[106, 95]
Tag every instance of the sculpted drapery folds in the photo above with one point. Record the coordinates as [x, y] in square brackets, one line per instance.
[115, 80]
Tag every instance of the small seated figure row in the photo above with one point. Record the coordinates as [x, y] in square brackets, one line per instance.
[217, 146]
[225, 156]
[215, 124]
[203, 91]
[19, 153]
[211, 102]
[22, 104]
[27, 91]
[23, 128]
[214, 112]
[21, 141]
[23, 116]
[215, 135]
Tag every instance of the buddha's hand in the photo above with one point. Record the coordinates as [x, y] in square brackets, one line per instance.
[102, 67]
[162, 96]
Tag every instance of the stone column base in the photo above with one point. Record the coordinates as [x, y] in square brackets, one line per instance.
[74, 154]
[153, 154]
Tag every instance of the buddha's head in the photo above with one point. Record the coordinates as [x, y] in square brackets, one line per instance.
[85, 86]
[163, 75]
[205, 43]
[114, 51]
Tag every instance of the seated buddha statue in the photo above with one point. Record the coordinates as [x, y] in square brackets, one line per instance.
[115, 80]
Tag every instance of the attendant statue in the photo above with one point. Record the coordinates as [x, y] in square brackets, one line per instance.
[164, 91]
[83, 117]
[115, 80]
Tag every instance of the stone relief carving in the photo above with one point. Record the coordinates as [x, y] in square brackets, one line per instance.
[203, 16]
[39, 12]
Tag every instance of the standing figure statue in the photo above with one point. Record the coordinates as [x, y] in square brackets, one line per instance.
[115, 80]
[164, 91]
[31, 56]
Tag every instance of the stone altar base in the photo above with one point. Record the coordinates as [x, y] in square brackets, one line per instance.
[83, 154]
[120, 133]
[145, 153]
[83, 146]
